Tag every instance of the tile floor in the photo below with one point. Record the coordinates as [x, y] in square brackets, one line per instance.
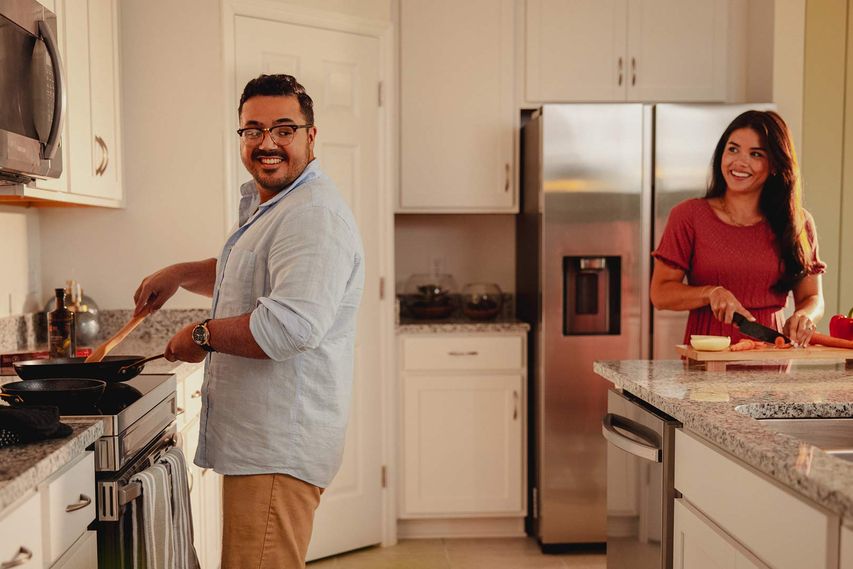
[517, 553]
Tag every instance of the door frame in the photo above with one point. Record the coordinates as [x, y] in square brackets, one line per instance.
[385, 33]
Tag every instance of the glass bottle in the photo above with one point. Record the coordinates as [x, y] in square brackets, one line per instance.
[61, 335]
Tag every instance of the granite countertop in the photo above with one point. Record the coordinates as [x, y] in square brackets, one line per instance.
[450, 326]
[722, 407]
[23, 467]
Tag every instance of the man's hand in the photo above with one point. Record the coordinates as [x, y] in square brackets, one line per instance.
[181, 347]
[156, 289]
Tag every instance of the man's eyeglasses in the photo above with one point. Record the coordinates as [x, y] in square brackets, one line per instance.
[282, 135]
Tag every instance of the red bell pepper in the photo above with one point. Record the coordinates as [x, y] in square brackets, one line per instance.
[841, 326]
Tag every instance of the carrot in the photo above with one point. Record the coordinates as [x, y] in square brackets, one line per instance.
[779, 343]
[824, 340]
[743, 345]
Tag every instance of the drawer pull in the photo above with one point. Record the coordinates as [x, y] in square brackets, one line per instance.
[179, 411]
[84, 501]
[191, 479]
[196, 394]
[20, 558]
[471, 353]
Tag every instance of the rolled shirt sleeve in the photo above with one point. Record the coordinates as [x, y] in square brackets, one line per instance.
[310, 263]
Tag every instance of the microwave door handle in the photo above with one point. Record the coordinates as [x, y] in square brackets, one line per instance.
[52, 143]
[650, 452]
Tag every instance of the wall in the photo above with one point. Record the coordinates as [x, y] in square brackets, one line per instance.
[173, 136]
[20, 267]
[472, 248]
[846, 252]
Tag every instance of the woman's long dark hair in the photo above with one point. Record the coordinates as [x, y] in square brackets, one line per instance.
[781, 197]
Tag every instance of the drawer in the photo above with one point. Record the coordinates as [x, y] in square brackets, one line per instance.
[781, 529]
[430, 353]
[189, 397]
[21, 535]
[82, 555]
[69, 497]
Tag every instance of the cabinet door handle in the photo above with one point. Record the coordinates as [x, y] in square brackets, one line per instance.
[179, 411]
[191, 478]
[196, 394]
[20, 558]
[506, 171]
[633, 71]
[84, 501]
[471, 353]
[515, 405]
[99, 171]
[619, 66]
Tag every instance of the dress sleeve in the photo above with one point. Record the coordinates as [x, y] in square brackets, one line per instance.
[814, 266]
[676, 244]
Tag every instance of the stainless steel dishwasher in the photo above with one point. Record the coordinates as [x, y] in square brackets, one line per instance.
[640, 477]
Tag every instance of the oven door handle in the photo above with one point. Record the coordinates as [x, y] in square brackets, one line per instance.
[648, 450]
[52, 144]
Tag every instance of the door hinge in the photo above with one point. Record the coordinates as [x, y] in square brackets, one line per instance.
[384, 476]
[381, 288]
[535, 500]
[380, 97]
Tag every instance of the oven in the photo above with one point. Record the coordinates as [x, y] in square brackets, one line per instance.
[138, 416]
[640, 483]
[32, 91]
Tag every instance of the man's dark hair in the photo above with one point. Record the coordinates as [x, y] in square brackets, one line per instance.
[278, 86]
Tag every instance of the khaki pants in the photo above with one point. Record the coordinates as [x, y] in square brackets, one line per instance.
[267, 521]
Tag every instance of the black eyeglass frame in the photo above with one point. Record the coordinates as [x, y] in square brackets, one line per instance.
[269, 130]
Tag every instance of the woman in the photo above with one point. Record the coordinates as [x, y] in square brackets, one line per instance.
[747, 243]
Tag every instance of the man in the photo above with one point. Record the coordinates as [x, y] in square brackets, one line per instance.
[279, 345]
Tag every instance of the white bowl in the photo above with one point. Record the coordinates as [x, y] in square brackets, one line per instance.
[710, 343]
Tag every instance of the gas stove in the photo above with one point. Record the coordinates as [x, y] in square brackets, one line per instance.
[134, 413]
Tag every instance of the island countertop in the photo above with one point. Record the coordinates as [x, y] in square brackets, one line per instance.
[722, 407]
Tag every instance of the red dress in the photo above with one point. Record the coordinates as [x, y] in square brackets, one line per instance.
[745, 260]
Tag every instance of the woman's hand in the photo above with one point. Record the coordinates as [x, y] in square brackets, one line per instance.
[799, 328]
[724, 305]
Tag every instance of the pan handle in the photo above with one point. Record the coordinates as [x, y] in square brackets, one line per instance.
[122, 370]
[16, 398]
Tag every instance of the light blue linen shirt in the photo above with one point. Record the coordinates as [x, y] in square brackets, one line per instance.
[296, 263]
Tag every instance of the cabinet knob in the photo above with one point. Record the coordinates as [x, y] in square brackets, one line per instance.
[20, 558]
[196, 394]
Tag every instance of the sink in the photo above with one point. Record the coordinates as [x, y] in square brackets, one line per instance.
[832, 435]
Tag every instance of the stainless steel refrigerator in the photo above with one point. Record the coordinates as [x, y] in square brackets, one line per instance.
[598, 182]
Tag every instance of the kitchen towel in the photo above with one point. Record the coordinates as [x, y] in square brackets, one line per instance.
[185, 554]
[153, 532]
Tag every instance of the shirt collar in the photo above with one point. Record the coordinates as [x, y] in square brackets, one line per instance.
[250, 197]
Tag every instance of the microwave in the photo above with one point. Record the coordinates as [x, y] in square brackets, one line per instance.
[32, 91]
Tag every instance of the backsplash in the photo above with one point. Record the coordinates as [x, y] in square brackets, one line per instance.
[29, 331]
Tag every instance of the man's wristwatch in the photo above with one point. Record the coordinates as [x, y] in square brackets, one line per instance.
[201, 336]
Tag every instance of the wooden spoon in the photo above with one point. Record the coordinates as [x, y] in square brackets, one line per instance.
[101, 351]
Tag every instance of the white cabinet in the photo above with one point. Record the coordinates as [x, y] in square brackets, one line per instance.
[627, 50]
[846, 547]
[21, 535]
[457, 115]
[68, 499]
[463, 426]
[205, 484]
[91, 141]
[699, 544]
[82, 555]
[781, 529]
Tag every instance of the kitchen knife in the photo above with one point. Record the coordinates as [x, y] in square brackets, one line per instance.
[756, 330]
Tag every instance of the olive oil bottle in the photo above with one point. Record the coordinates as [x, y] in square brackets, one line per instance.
[61, 335]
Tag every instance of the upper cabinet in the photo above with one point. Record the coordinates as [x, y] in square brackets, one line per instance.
[91, 142]
[630, 50]
[457, 113]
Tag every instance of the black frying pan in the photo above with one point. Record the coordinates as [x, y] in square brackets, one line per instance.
[63, 393]
[110, 369]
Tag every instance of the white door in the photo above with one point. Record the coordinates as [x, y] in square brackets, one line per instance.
[340, 71]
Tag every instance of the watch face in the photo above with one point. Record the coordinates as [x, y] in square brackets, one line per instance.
[199, 334]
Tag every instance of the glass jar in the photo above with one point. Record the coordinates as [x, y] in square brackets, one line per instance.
[430, 296]
[481, 301]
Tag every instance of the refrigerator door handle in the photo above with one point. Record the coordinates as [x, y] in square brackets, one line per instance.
[651, 451]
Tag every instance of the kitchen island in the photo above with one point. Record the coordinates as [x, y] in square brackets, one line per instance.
[772, 500]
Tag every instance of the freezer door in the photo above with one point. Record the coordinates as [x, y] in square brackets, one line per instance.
[592, 184]
[685, 138]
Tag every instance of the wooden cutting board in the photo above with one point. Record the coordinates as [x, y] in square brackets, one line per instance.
[766, 354]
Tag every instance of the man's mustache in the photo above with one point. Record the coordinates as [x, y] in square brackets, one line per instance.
[257, 153]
